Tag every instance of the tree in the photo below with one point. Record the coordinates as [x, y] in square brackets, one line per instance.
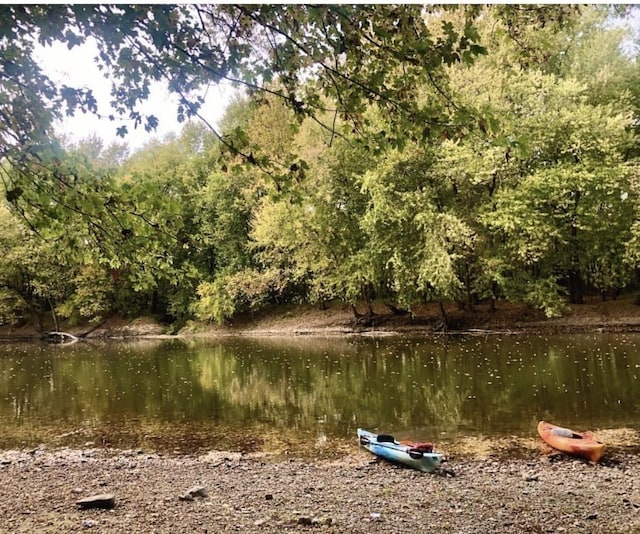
[552, 177]
[314, 234]
[325, 63]
[36, 276]
[355, 53]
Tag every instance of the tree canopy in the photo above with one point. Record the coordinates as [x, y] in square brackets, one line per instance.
[336, 58]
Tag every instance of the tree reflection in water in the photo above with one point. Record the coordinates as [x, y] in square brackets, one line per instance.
[248, 392]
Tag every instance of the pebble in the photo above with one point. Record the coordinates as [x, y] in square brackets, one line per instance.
[196, 491]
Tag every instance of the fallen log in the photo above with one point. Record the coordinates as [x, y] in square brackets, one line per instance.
[61, 337]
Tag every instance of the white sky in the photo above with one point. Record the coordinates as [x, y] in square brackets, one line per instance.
[77, 68]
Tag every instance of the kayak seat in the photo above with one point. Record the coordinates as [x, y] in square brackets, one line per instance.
[565, 433]
[424, 447]
[385, 438]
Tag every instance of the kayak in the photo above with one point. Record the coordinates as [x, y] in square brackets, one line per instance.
[583, 444]
[420, 456]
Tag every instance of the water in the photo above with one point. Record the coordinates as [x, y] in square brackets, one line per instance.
[271, 394]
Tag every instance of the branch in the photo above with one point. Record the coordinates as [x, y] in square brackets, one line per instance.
[326, 67]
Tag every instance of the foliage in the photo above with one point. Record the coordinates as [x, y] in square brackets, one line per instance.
[356, 54]
[92, 297]
[400, 153]
[233, 293]
[551, 183]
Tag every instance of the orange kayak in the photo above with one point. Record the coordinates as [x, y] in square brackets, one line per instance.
[583, 444]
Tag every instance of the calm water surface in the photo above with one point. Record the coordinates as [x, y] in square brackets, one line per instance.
[268, 393]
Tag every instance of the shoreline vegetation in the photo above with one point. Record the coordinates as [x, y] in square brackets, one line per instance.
[509, 485]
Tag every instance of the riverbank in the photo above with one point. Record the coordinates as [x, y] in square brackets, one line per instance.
[349, 493]
[596, 315]
[622, 315]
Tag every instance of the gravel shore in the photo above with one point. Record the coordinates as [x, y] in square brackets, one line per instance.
[255, 492]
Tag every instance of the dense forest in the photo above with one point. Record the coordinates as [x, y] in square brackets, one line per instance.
[398, 154]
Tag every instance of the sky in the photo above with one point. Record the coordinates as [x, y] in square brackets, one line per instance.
[77, 68]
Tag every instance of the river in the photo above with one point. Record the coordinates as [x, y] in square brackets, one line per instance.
[271, 393]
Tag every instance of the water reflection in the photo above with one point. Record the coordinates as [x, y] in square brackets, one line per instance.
[249, 389]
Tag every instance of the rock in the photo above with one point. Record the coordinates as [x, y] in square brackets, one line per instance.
[88, 523]
[530, 477]
[103, 500]
[196, 491]
[445, 472]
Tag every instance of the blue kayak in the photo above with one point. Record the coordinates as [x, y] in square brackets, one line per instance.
[417, 456]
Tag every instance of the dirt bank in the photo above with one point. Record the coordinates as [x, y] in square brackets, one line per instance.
[339, 319]
[594, 315]
[350, 493]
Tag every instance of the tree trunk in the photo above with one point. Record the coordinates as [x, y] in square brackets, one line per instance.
[576, 288]
[492, 301]
[37, 320]
[467, 287]
[154, 301]
[366, 295]
[56, 327]
[443, 315]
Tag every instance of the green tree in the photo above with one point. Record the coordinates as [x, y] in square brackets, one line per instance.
[405, 153]
[413, 231]
[550, 180]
